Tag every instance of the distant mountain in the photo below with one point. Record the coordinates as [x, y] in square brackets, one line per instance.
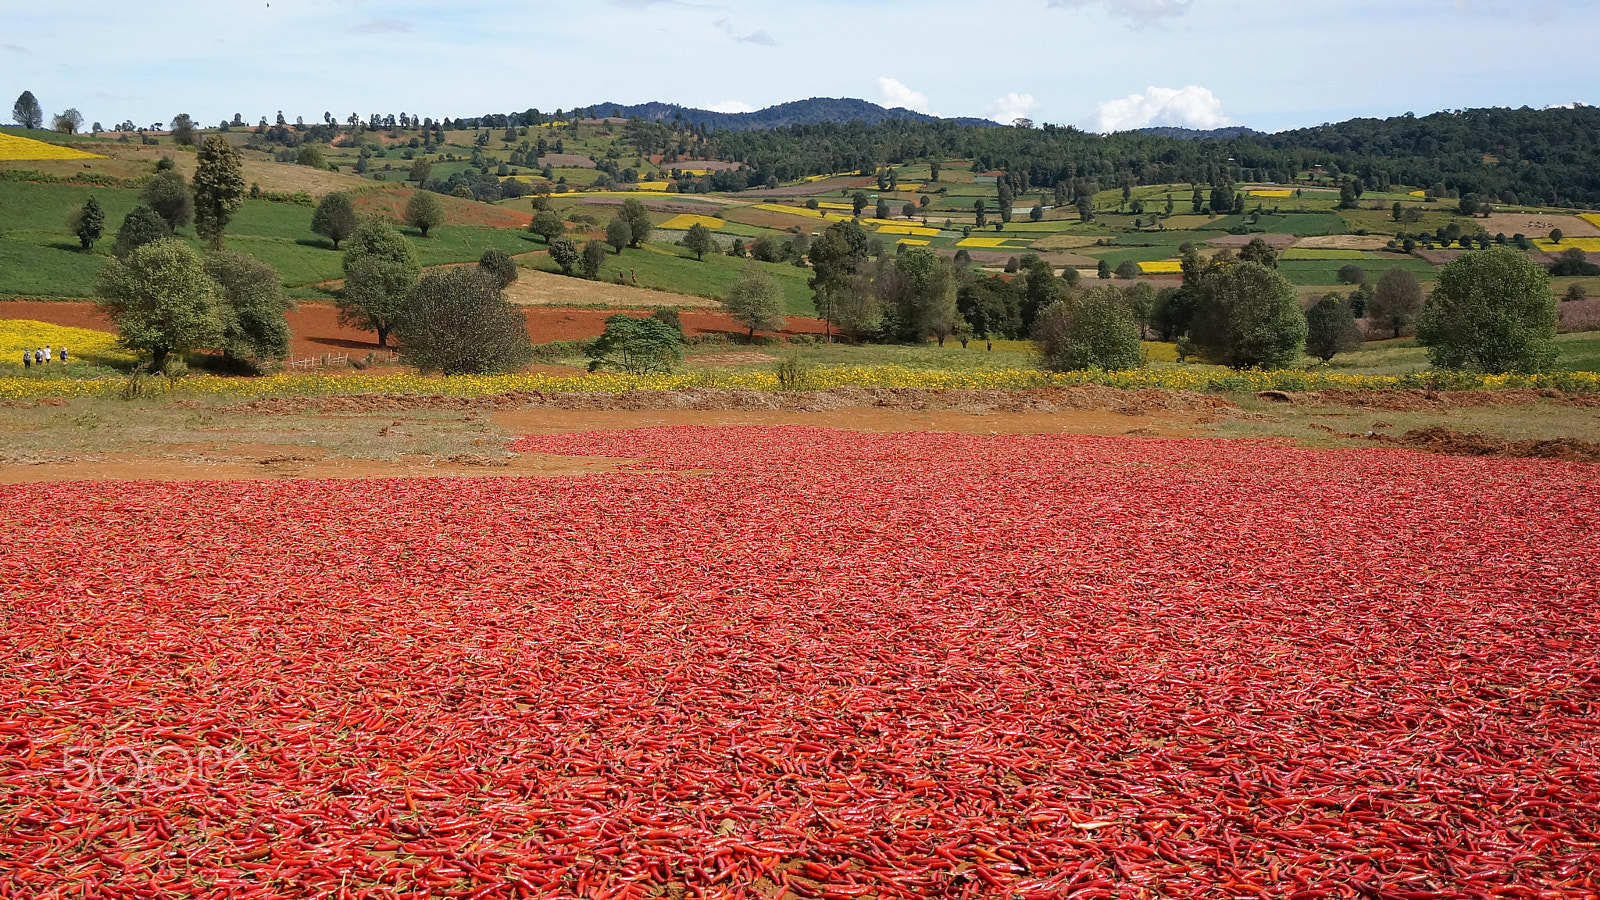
[1190, 134]
[799, 112]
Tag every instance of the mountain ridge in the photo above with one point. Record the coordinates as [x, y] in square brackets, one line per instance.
[811, 111]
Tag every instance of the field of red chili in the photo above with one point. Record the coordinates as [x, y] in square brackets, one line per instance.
[809, 663]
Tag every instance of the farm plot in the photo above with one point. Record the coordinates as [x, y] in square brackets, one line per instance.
[919, 665]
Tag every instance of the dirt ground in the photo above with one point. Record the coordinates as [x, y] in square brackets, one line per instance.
[1537, 225]
[1344, 242]
[535, 288]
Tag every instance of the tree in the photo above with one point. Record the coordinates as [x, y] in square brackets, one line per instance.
[756, 301]
[218, 188]
[618, 234]
[380, 268]
[67, 122]
[89, 223]
[1103, 270]
[142, 225]
[1259, 251]
[836, 258]
[1351, 273]
[1247, 315]
[1127, 269]
[858, 202]
[1348, 194]
[311, 156]
[699, 240]
[1141, 302]
[498, 266]
[1091, 331]
[1556, 235]
[1491, 312]
[933, 170]
[27, 112]
[978, 213]
[883, 211]
[564, 253]
[1575, 294]
[548, 225]
[638, 219]
[1037, 212]
[162, 301]
[335, 218]
[251, 306]
[424, 211]
[594, 256]
[183, 130]
[1331, 328]
[459, 322]
[636, 346]
[1395, 302]
[420, 170]
[168, 194]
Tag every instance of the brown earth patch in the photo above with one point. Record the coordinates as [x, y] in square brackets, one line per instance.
[1450, 442]
[656, 204]
[1413, 400]
[1438, 257]
[1538, 225]
[1276, 241]
[1344, 242]
[391, 204]
[536, 288]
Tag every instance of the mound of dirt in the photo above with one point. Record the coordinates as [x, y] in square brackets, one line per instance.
[1052, 399]
[1475, 443]
[1412, 400]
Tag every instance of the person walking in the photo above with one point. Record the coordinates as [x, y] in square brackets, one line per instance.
[46, 354]
[27, 359]
[63, 356]
[38, 357]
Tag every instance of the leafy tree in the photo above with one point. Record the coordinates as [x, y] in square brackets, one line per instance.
[250, 305]
[1141, 302]
[636, 346]
[638, 219]
[548, 225]
[1127, 269]
[594, 256]
[699, 240]
[183, 130]
[218, 188]
[380, 268]
[1395, 301]
[1331, 328]
[836, 260]
[67, 122]
[564, 253]
[162, 300]
[918, 291]
[1247, 315]
[424, 212]
[312, 156]
[27, 112]
[858, 202]
[142, 225]
[1037, 212]
[618, 233]
[1348, 194]
[1172, 311]
[978, 212]
[89, 223]
[459, 322]
[335, 218]
[1259, 251]
[1090, 331]
[883, 211]
[1103, 270]
[1352, 274]
[1491, 312]
[498, 266]
[1556, 235]
[756, 301]
[420, 170]
[1575, 294]
[168, 194]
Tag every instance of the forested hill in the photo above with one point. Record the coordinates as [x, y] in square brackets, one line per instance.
[799, 112]
[1549, 156]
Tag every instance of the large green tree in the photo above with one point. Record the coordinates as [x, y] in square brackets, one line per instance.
[380, 268]
[1092, 330]
[836, 260]
[335, 218]
[638, 219]
[251, 306]
[755, 301]
[548, 225]
[27, 112]
[636, 346]
[218, 188]
[1395, 302]
[424, 211]
[167, 192]
[89, 223]
[1492, 311]
[699, 240]
[459, 322]
[1331, 328]
[1248, 315]
[142, 225]
[162, 301]
[618, 233]
[498, 266]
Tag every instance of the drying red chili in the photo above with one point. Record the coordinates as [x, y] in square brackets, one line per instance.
[838, 666]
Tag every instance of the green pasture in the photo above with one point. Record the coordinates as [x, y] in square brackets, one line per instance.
[670, 268]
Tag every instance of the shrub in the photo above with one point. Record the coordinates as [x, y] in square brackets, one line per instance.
[1331, 328]
[564, 253]
[142, 225]
[1094, 330]
[423, 211]
[498, 266]
[458, 322]
[1352, 274]
[635, 346]
[594, 256]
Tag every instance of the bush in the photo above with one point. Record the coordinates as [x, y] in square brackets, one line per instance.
[458, 322]
[423, 211]
[564, 253]
[594, 256]
[635, 346]
[1331, 328]
[1248, 315]
[140, 226]
[1092, 331]
[498, 266]
[1127, 270]
[1352, 274]
[1491, 312]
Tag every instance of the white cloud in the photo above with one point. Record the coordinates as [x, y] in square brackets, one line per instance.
[382, 26]
[732, 106]
[1189, 107]
[1012, 107]
[896, 94]
[759, 36]
[1139, 12]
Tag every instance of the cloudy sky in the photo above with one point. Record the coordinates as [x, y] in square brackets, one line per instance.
[1098, 64]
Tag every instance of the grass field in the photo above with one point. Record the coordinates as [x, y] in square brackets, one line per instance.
[670, 268]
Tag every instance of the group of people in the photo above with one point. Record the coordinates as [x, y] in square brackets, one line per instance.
[40, 356]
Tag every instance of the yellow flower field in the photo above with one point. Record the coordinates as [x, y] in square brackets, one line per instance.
[13, 147]
[1161, 267]
[989, 243]
[1196, 378]
[912, 242]
[17, 335]
[837, 206]
[684, 221]
[1586, 244]
[1272, 193]
[1591, 218]
[916, 230]
[653, 185]
[1417, 194]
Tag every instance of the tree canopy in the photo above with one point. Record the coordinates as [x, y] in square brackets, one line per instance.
[458, 322]
[1492, 311]
[163, 302]
[380, 268]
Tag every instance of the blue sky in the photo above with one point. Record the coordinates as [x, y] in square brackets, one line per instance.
[1099, 64]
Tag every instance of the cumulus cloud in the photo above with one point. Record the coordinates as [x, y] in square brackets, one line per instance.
[732, 106]
[382, 26]
[1139, 12]
[895, 94]
[759, 36]
[1012, 107]
[1189, 107]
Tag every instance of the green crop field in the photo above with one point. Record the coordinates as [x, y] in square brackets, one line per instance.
[673, 269]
